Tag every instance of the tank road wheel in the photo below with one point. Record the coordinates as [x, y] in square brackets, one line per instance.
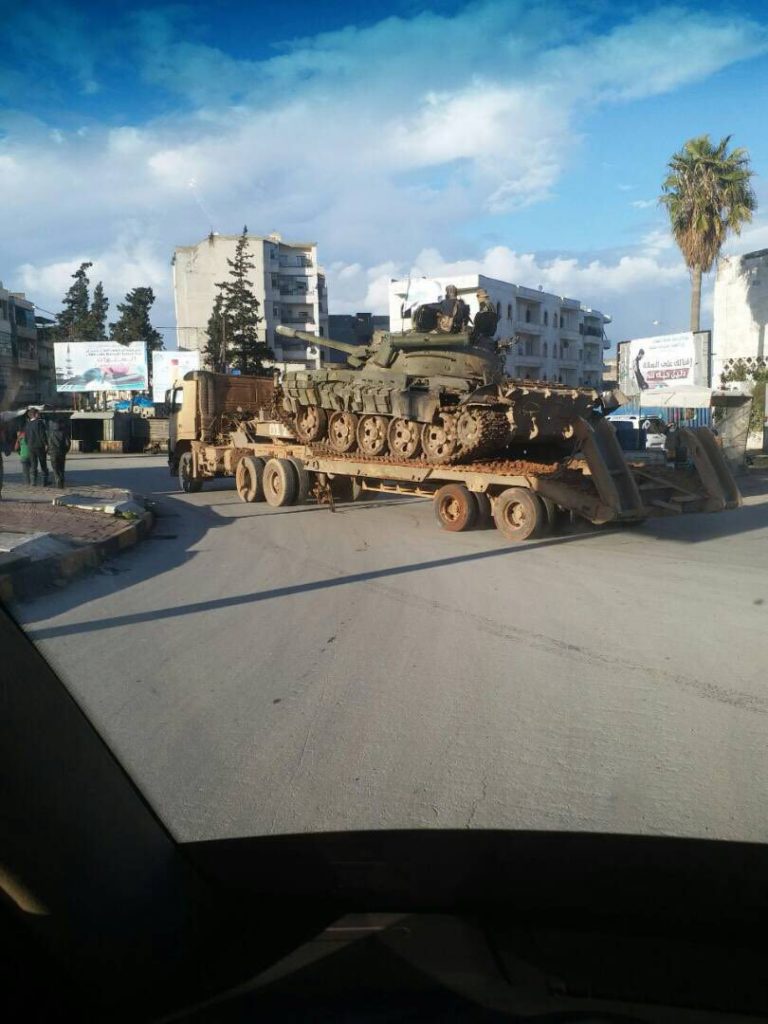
[439, 439]
[372, 435]
[311, 423]
[249, 478]
[187, 482]
[280, 483]
[455, 508]
[404, 438]
[519, 514]
[342, 432]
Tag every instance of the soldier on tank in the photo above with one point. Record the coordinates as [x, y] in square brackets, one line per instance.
[454, 312]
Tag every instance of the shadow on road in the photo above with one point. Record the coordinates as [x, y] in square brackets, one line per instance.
[276, 593]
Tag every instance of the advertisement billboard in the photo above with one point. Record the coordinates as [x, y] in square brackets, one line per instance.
[664, 361]
[168, 367]
[101, 366]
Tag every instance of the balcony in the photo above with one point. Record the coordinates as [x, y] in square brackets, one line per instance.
[294, 319]
[297, 295]
[293, 265]
[570, 333]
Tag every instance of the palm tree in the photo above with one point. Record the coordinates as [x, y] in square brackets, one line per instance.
[707, 193]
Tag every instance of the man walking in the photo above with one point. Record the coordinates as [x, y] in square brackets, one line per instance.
[37, 442]
[23, 449]
[58, 446]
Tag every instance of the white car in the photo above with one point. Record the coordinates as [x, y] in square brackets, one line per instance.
[654, 427]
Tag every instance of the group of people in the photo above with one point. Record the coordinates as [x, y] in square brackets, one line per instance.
[36, 442]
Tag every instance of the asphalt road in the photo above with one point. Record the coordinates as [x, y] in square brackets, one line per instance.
[275, 671]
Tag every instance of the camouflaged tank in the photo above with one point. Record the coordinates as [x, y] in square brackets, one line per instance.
[438, 389]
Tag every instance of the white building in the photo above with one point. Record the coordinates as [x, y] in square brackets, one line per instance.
[740, 311]
[286, 279]
[559, 340]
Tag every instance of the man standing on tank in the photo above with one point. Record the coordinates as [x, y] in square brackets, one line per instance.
[37, 442]
[455, 309]
[58, 446]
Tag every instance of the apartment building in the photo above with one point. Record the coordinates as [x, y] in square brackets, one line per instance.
[286, 279]
[740, 312]
[558, 339]
[26, 360]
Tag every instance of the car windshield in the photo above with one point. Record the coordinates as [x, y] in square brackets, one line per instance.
[326, 342]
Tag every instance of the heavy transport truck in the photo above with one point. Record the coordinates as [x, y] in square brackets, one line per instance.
[226, 426]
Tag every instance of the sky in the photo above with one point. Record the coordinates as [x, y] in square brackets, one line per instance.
[526, 141]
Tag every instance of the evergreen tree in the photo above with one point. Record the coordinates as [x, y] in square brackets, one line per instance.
[74, 320]
[134, 323]
[97, 328]
[218, 330]
[240, 308]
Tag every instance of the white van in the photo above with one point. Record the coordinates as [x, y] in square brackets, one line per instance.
[654, 427]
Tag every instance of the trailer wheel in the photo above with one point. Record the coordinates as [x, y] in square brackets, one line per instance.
[303, 481]
[484, 511]
[455, 508]
[519, 514]
[280, 483]
[550, 519]
[249, 478]
[187, 482]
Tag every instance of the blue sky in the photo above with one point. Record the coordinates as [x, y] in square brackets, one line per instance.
[522, 140]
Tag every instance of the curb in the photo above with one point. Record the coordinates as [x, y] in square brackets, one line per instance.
[30, 581]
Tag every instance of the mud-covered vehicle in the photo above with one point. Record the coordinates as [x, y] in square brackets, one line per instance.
[437, 392]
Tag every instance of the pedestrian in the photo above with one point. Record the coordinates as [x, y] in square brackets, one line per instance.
[22, 448]
[37, 442]
[58, 446]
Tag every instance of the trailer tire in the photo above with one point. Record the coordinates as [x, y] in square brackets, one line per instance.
[249, 478]
[519, 514]
[187, 482]
[455, 508]
[280, 483]
[303, 481]
[484, 511]
[550, 520]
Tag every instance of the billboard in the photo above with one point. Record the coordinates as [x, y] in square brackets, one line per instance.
[168, 367]
[100, 366]
[664, 361]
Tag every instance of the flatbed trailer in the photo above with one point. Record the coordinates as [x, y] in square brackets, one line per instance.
[521, 497]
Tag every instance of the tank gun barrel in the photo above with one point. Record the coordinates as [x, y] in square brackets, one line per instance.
[312, 339]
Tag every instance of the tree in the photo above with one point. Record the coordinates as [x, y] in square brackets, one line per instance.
[134, 323]
[240, 309]
[97, 327]
[707, 193]
[218, 330]
[755, 372]
[74, 320]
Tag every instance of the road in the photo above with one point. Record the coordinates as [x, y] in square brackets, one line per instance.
[267, 670]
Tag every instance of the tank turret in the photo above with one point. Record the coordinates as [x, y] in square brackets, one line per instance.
[437, 391]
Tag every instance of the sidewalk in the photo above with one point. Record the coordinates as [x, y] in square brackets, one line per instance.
[48, 534]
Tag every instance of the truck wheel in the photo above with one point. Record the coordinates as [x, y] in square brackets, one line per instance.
[280, 483]
[249, 478]
[187, 482]
[303, 481]
[484, 513]
[519, 514]
[455, 508]
[550, 519]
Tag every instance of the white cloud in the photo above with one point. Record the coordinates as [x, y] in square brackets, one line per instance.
[644, 204]
[372, 141]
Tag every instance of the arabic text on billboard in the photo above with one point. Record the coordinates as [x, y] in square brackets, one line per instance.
[664, 361]
[100, 366]
[168, 367]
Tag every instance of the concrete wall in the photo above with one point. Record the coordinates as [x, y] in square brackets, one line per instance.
[740, 310]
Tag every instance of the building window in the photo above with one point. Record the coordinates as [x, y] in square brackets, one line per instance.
[498, 310]
[545, 346]
[562, 322]
[527, 316]
[509, 311]
[322, 332]
[276, 310]
[546, 317]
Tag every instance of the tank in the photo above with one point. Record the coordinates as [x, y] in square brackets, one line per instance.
[437, 391]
